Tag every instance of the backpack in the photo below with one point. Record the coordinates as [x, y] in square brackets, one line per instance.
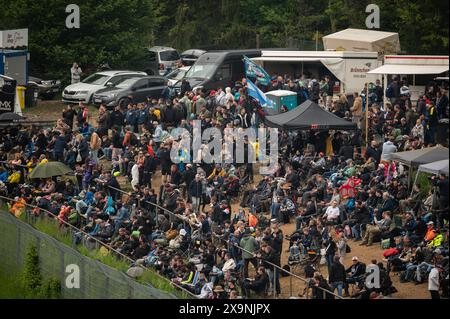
[390, 91]
[390, 252]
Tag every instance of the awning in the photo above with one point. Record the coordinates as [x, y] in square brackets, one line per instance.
[404, 69]
[334, 65]
[287, 59]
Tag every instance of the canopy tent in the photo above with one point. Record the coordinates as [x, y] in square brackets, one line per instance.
[309, 115]
[422, 156]
[406, 69]
[363, 40]
[436, 168]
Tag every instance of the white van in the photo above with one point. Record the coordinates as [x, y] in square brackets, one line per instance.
[167, 58]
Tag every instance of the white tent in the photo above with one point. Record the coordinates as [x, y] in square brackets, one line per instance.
[363, 40]
[436, 168]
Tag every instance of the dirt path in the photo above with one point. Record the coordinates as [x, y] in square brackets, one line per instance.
[52, 110]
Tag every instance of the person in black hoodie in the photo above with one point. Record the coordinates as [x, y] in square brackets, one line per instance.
[373, 151]
[168, 114]
[346, 151]
[258, 285]
[320, 288]
[360, 218]
[337, 276]
[116, 118]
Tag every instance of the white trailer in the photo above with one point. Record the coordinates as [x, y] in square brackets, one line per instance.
[350, 68]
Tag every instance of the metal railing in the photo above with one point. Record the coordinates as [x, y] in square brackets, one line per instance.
[280, 269]
[101, 243]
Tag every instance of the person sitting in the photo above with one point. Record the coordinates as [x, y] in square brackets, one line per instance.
[379, 227]
[332, 213]
[355, 273]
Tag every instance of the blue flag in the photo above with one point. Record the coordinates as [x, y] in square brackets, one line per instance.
[254, 71]
[257, 94]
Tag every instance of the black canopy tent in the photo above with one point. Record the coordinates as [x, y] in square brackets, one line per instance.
[309, 116]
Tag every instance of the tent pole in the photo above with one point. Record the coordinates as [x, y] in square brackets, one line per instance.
[409, 176]
[384, 90]
[367, 116]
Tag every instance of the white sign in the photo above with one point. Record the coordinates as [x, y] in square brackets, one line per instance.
[73, 277]
[11, 39]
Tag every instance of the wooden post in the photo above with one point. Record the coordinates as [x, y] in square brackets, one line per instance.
[367, 116]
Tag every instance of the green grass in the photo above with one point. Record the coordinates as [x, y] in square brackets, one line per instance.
[161, 283]
[50, 227]
[11, 286]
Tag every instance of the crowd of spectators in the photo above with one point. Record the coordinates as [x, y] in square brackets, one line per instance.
[215, 229]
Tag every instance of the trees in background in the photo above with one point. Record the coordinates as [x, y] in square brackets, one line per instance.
[118, 31]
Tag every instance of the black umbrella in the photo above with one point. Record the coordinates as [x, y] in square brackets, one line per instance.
[11, 116]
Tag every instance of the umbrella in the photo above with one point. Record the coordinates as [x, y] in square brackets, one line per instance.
[50, 169]
[11, 116]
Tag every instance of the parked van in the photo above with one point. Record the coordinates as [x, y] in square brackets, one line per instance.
[218, 69]
[166, 58]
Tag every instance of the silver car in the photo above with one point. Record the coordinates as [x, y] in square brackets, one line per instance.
[85, 90]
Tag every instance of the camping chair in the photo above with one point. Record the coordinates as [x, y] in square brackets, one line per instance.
[193, 285]
[295, 257]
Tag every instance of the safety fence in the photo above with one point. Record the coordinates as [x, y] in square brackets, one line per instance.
[274, 268]
[97, 280]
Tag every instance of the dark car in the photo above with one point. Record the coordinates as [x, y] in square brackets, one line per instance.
[140, 88]
[217, 69]
[47, 88]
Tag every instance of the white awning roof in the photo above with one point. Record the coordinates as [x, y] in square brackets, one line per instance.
[286, 59]
[405, 69]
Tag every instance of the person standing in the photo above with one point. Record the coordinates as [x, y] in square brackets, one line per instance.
[329, 93]
[95, 144]
[433, 281]
[357, 109]
[337, 276]
[75, 73]
[249, 247]
[68, 115]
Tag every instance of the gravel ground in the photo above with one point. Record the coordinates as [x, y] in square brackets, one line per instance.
[52, 110]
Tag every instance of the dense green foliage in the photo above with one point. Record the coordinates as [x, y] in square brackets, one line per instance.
[118, 31]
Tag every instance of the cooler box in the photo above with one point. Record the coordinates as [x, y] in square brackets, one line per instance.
[279, 98]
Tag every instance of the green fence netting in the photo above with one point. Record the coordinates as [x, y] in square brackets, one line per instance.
[96, 279]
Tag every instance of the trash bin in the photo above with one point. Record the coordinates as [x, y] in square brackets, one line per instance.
[21, 96]
[31, 95]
